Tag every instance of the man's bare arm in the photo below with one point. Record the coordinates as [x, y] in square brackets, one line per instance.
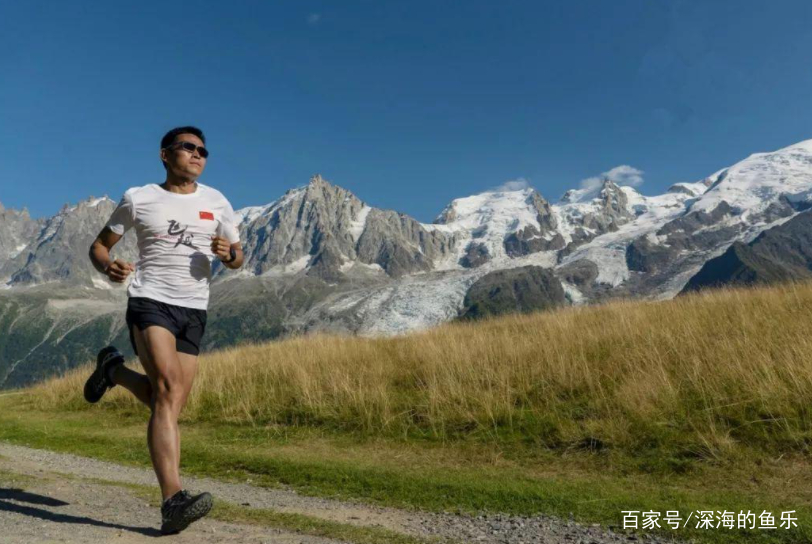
[117, 270]
[222, 249]
[237, 262]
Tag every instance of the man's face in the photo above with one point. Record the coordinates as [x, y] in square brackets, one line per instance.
[184, 163]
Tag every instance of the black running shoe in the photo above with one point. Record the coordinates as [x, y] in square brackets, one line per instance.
[98, 383]
[181, 509]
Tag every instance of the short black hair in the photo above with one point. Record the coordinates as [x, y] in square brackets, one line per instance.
[169, 137]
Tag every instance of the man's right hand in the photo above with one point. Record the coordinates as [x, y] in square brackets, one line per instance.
[118, 270]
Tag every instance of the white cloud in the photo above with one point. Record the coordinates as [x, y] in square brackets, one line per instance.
[313, 19]
[621, 175]
[513, 185]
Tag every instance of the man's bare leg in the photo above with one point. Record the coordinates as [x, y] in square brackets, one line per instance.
[188, 364]
[136, 383]
[160, 360]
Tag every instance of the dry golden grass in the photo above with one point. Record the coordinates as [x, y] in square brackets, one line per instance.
[698, 374]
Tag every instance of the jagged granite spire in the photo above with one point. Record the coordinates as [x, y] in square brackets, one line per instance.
[56, 248]
[321, 229]
[16, 231]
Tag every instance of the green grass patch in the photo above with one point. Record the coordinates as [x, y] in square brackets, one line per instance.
[457, 476]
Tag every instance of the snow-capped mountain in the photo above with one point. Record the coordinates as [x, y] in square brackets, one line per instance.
[611, 241]
[496, 225]
[324, 231]
[320, 258]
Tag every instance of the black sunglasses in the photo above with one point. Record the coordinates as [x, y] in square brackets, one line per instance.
[190, 147]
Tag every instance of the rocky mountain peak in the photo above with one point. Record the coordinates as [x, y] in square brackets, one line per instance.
[323, 229]
[11, 212]
[500, 222]
[477, 210]
[544, 213]
[569, 197]
[608, 187]
[16, 230]
[584, 194]
[323, 192]
[614, 201]
[604, 191]
[55, 248]
[448, 215]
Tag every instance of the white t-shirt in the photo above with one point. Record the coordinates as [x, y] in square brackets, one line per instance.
[174, 241]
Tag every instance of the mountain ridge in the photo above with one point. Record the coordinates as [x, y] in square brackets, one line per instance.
[319, 258]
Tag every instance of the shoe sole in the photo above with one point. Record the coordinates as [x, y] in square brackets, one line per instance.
[194, 512]
[88, 390]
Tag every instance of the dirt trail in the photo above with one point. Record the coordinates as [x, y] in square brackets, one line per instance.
[55, 500]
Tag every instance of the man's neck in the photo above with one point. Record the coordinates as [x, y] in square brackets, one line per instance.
[179, 185]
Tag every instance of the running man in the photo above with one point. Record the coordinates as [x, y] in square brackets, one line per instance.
[181, 226]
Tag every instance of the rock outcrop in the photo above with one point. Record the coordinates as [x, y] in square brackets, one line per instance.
[524, 289]
[57, 249]
[782, 253]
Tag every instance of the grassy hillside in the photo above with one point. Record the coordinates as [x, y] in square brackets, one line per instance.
[704, 401]
[695, 376]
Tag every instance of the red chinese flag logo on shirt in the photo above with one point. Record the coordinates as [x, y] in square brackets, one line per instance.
[207, 215]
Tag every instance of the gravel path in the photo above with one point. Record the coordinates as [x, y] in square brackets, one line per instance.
[53, 508]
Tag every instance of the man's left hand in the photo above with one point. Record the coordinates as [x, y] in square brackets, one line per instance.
[221, 247]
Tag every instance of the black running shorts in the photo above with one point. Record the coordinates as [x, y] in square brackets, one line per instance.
[187, 324]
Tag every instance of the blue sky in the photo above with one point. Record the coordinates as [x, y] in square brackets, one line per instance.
[407, 104]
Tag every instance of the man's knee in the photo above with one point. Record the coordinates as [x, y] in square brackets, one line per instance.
[168, 392]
